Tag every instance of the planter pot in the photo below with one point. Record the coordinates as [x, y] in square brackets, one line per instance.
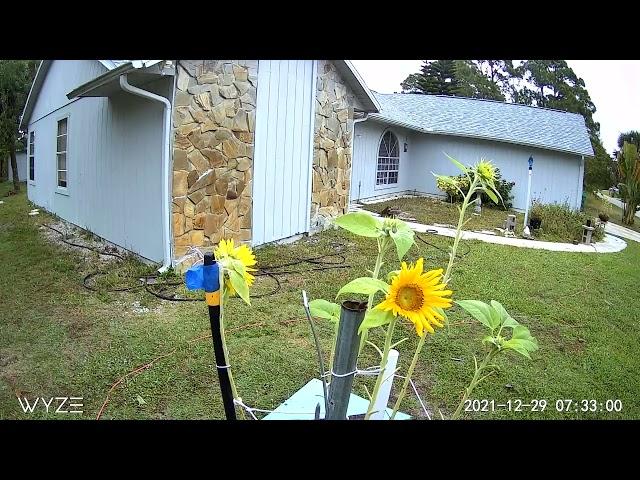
[535, 223]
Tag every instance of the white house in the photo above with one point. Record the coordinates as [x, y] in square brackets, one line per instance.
[397, 149]
[159, 155]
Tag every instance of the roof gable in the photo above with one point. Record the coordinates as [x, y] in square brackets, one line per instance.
[492, 120]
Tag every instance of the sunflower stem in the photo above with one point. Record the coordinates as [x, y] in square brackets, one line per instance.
[383, 244]
[407, 378]
[456, 241]
[383, 364]
[474, 382]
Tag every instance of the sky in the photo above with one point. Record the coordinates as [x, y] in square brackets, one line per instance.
[614, 87]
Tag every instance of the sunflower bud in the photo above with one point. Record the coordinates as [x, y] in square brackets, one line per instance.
[486, 170]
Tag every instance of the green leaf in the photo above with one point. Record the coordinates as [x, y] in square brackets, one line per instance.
[521, 341]
[375, 318]
[505, 319]
[365, 286]
[360, 223]
[240, 286]
[404, 239]
[460, 166]
[478, 310]
[323, 309]
[494, 317]
[491, 195]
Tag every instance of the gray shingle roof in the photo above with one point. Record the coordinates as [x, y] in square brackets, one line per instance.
[506, 122]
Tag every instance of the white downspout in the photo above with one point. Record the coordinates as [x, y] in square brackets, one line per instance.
[166, 134]
[353, 143]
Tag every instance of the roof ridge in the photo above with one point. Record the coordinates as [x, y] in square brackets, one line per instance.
[457, 97]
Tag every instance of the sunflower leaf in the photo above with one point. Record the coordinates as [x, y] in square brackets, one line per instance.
[521, 341]
[505, 319]
[403, 237]
[323, 309]
[491, 195]
[375, 318]
[460, 166]
[360, 223]
[478, 310]
[364, 286]
[240, 286]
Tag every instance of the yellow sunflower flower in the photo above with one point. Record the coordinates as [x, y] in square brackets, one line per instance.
[486, 170]
[414, 295]
[226, 251]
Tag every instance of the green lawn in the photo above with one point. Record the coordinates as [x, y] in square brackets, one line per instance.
[59, 339]
[431, 210]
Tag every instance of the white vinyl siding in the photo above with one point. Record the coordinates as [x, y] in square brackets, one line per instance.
[114, 159]
[283, 149]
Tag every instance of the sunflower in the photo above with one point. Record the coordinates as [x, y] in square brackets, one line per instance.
[486, 170]
[227, 252]
[414, 295]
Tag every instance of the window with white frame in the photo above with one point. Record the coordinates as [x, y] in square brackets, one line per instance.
[388, 160]
[32, 156]
[61, 153]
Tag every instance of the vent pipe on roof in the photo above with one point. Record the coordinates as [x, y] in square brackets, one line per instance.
[166, 135]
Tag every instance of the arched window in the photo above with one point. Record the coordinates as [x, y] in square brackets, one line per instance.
[388, 160]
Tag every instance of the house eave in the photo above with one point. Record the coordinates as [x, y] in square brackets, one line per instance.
[140, 73]
[357, 84]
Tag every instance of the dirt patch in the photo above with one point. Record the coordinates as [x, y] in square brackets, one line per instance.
[71, 238]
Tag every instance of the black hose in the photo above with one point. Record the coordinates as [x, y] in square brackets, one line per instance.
[319, 263]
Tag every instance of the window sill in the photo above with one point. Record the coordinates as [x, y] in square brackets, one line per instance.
[62, 191]
[386, 187]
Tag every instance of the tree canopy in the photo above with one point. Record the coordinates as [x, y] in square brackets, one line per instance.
[16, 77]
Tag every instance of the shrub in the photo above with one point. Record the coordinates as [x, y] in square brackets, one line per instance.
[562, 223]
[453, 195]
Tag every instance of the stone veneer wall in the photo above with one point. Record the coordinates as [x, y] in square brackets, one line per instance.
[332, 146]
[213, 138]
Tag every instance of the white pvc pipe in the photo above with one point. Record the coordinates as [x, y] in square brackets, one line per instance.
[384, 392]
[166, 156]
[526, 212]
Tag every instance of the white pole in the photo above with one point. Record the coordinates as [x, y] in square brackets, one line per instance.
[526, 212]
[385, 387]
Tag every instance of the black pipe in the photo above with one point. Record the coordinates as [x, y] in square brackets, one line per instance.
[213, 301]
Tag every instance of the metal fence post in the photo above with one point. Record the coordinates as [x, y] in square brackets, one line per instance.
[346, 356]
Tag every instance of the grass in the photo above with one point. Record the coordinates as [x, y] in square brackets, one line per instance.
[60, 339]
[431, 210]
[595, 205]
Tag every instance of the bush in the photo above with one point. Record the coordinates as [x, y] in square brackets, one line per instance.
[562, 223]
[503, 186]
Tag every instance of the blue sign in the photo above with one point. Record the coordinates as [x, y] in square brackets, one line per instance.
[530, 163]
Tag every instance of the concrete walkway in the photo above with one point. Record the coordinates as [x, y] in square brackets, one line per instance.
[620, 231]
[610, 244]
